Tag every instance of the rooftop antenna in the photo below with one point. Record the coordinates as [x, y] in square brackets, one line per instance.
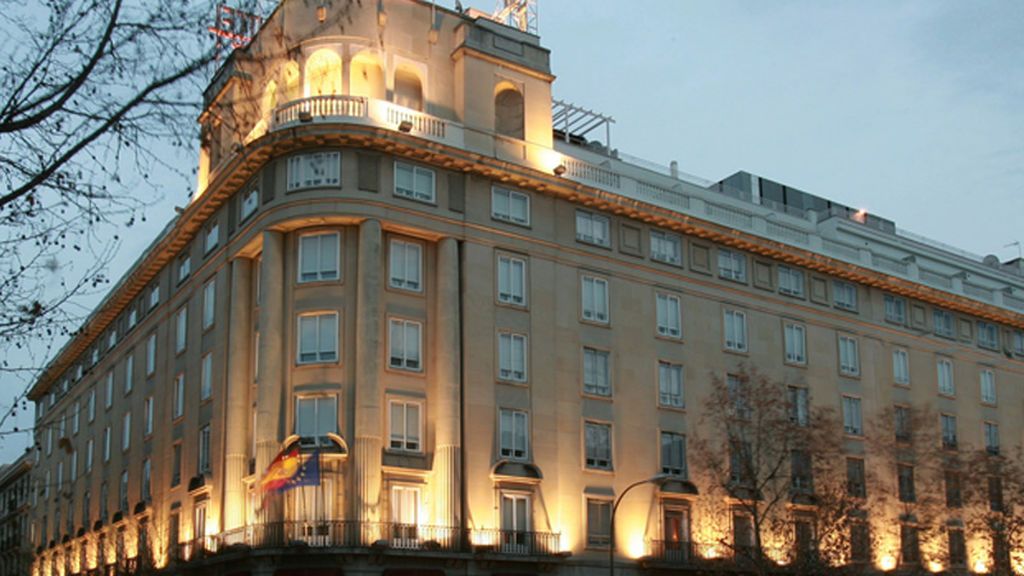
[521, 14]
[1020, 248]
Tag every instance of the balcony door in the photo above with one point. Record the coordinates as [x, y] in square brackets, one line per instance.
[405, 507]
[515, 523]
[313, 513]
[676, 527]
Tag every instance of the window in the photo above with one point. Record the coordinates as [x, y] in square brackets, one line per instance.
[199, 524]
[844, 295]
[742, 533]
[206, 378]
[512, 280]
[598, 445]
[596, 377]
[176, 465]
[108, 390]
[515, 522]
[795, 342]
[956, 546]
[315, 418]
[179, 397]
[133, 318]
[129, 372]
[593, 228]
[599, 515]
[405, 265]
[122, 492]
[151, 354]
[91, 405]
[910, 549]
[106, 444]
[948, 423]
[405, 508]
[944, 369]
[801, 478]
[76, 417]
[798, 405]
[318, 257]
[988, 335]
[126, 431]
[404, 345]
[212, 238]
[860, 542]
[995, 493]
[154, 297]
[732, 265]
[204, 450]
[895, 309]
[181, 329]
[147, 476]
[954, 493]
[89, 447]
[849, 356]
[317, 169]
[209, 303]
[670, 385]
[184, 269]
[512, 357]
[112, 336]
[595, 299]
[856, 486]
[943, 322]
[991, 437]
[414, 182]
[509, 114]
[852, 416]
[147, 417]
[988, 386]
[791, 281]
[318, 338]
[905, 482]
[666, 247]
[250, 202]
[513, 434]
[902, 423]
[735, 330]
[739, 396]
[405, 425]
[510, 206]
[1018, 342]
[900, 367]
[673, 454]
[669, 315]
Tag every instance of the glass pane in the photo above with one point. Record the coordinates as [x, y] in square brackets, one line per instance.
[307, 338]
[327, 416]
[305, 417]
[413, 426]
[397, 424]
[329, 256]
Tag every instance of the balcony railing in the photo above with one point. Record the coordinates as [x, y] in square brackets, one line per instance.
[319, 108]
[672, 551]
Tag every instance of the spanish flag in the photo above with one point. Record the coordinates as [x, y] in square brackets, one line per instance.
[290, 470]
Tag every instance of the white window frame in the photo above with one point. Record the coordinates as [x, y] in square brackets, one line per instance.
[249, 203]
[844, 295]
[154, 296]
[178, 401]
[988, 335]
[597, 376]
[184, 267]
[499, 196]
[946, 329]
[181, 329]
[108, 390]
[677, 441]
[671, 384]
[734, 332]
[206, 378]
[209, 303]
[511, 280]
[151, 354]
[302, 172]
[328, 404]
[399, 438]
[321, 354]
[794, 338]
[147, 416]
[405, 353]
[853, 418]
[133, 318]
[668, 309]
[129, 372]
[791, 281]
[513, 357]
[594, 289]
[901, 366]
[944, 376]
[593, 228]
[666, 247]
[514, 442]
[414, 193]
[598, 457]
[987, 386]
[212, 237]
[308, 251]
[405, 265]
[732, 265]
[895, 309]
[76, 413]
[849, 355]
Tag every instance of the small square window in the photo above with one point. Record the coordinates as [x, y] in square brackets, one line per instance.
[510, 206]
[250, 202]
[212, 238]
[414, 182]
[988, 335]
[666, 247]
[844, 295]
[895, 309]
[732, 265]
[593, 228]
[791, 281]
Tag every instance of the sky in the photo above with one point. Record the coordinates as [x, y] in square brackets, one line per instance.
[911, 110]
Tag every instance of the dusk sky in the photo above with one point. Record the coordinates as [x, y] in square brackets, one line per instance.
[911, 110]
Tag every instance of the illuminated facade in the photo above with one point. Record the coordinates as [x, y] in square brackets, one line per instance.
[486, 327]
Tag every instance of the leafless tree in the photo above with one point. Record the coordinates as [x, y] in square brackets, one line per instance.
[994, 510]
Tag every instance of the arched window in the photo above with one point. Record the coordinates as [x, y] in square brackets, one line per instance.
[323, 73]
[508, 113]
[366, 77]
[408, 90]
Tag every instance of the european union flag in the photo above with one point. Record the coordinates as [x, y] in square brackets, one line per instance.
[308, 473]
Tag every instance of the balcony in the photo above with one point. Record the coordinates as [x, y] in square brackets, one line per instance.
[671, 551]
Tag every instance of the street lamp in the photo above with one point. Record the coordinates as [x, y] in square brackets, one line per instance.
[657, 479]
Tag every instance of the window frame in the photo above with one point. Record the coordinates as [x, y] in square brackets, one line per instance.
[664, 325]
[794, 357]
[512, 338]
[178, 397]
[597, 539]
[732, 265]
[845, 289]
[664, 237]
[987, 386]
[682, 471]
[404, 362]
[319, 405]
[298, 167]
[671, 367]
[795, 284]
[401, 281]
[595, 388]
[739, 342]
[321, 275]
[599, 305]
[596, 462]
[404, 439]
[895, 309]
[414, 194]
[990, 329]
[319, 351]
[510, 218]
[517, 417]
[946, 387]
[211, 237]
[181, 329]
[855, 412]
[247, 208]
[206, 377]
[898, 378]
[509, 298]
[848, 366]
[209, 303]
[589, 219]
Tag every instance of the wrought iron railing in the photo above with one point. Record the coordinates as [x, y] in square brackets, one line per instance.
[674, 551]
[516, 542]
